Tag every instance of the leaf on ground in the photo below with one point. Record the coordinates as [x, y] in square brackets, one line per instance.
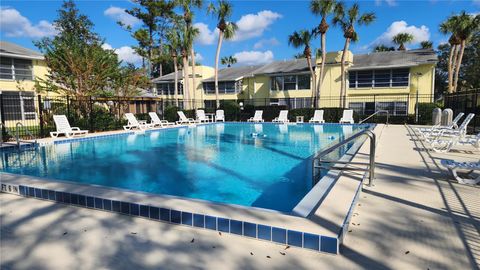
[354, 224]
[193, 240]
[219, 233]
[269, 257]
[406, 252]
[213, 246]
[287, 247]
[283, 253]
[350, 231]
[359, 204]
[133, 233]
[65, 233]
[251, 253]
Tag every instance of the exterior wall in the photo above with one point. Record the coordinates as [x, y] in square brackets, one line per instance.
[40, 71]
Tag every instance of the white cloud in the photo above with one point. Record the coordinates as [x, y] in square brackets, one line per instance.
[420, 34]
[205, 36]
[125, 53]
[13, 24]
[253, 25]
[198, 57]
[266, 42]
[119, 15]
[388, 2]
[254, 57]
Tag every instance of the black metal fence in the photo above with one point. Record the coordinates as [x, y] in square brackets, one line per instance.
[35, 112]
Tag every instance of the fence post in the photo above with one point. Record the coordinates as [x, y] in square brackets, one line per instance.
[2, 115]
[91, 113]
[68, 106]
[40, 115]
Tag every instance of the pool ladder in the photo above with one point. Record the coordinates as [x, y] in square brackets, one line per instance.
[320, 163]
[17, 135]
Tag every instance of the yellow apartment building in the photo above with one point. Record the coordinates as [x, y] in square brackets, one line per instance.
[390, 81]
[19, 67]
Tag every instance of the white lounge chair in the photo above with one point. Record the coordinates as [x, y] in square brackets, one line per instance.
[156, 121]
[201, 116]
[440, 133]
[445, 145]
[183, 119]
[347, 117]
[134, 124]
[453, 166]
[454, 125]
[257, 117]
[282, 117]
[317, 117]
[220, 116]
[63, 127]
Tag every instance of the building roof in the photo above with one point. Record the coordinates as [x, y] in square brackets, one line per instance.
[14, 50]
[234, 73]
[286, 66]
[394, 59]
[170, 77]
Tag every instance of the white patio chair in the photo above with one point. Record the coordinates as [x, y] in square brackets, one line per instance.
[201, 117]
[156, 121]
[220, 116]
[347, 117]
[282, 117]
[63, 127]
[446, 144]
[257, 117]
[317, 117]
[428, 130]
[183, 119]
[134, 124]
[440, 133]
[470, 167]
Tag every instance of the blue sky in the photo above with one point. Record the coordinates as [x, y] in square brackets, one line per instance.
[264, 25]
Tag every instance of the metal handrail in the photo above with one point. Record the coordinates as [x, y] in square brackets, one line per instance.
[371, 164]
[375, 113]
[17, 134]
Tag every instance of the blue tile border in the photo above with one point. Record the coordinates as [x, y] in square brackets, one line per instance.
[264, 232]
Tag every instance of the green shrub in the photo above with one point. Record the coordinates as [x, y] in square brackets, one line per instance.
[231, 110]
[170, 113]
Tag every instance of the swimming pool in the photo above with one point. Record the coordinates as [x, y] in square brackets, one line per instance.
[260, 165]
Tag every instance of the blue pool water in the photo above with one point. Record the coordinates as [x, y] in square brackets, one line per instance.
[223, 163]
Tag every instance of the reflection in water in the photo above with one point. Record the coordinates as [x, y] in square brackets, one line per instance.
[217, 162]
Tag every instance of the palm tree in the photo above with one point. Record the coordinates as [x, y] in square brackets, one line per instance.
[302, 39]
[229, 60]
[187, 6]
[450, 26]
[186, 41]
[426, 44]
[466, 27]
[383, 48]
[402, 38]
[173, 45]
[322, 8]
[347, 19]
[223, 11]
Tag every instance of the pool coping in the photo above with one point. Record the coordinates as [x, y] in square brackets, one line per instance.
[262, 224]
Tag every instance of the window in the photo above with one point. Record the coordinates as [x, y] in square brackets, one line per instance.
[290, 82]
[18, 105]
[210, 104]
[168, 89]
[15, 69]
[227, 87]
[379, 78]
[303, 82]
[367, 108]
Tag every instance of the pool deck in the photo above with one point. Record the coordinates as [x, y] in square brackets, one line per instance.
[412, 218]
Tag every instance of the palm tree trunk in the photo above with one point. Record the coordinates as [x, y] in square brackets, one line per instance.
[185, 82]
[217, 55]
[314, 78]
[322, 68]
[450, 68]
[192, 56]
[343, 89]
[175, 68]
[458, 65]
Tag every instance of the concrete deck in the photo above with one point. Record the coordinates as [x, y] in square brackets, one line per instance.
[413, 218]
